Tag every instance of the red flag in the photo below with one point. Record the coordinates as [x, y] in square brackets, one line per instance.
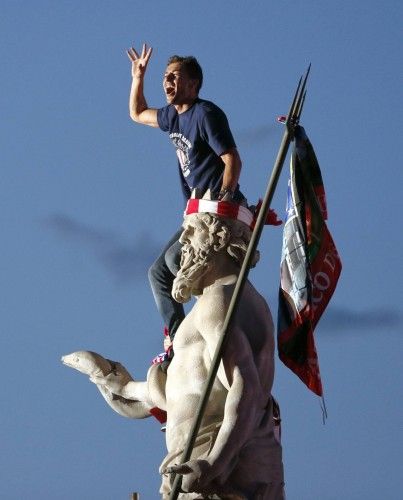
[310, 265]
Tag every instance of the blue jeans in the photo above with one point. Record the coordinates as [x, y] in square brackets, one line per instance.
[161, 276]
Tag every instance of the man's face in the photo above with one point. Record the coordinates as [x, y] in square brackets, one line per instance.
[178, 87]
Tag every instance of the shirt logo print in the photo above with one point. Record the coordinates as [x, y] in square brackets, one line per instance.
[182, 146]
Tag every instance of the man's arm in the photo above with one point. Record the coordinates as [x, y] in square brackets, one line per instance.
[138, 107]
[232, 171]
[216, 131]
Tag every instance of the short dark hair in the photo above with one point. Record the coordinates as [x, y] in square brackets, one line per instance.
[191, 66]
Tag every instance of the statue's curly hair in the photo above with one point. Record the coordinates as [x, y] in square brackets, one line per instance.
[231, 234]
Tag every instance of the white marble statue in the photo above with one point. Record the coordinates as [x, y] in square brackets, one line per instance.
[237, 454]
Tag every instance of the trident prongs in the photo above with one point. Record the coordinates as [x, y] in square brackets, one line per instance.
[302, 94]
[297, 103]
[306, 77]
[299, 111]
[290, 114]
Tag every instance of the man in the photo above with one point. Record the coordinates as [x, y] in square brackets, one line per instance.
[207, 155]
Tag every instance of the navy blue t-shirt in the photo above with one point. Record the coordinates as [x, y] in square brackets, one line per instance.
[200, 135]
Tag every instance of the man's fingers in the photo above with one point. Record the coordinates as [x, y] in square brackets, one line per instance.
[145, 53]
[148, 54]
[130, 55]
[133, 54]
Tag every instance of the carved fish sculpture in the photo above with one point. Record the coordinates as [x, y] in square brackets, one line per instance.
[99, 369]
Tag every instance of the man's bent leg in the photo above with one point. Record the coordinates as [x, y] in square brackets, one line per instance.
[161, 280]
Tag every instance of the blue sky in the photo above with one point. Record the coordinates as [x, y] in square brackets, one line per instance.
[88, 198]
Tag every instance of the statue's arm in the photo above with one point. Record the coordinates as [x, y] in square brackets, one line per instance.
[128, 397]
[244, 399]
[133, 390]
[150, 392]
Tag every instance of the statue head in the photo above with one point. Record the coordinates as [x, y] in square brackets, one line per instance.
[210, 244]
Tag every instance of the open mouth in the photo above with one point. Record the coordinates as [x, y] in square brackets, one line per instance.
[169, 91]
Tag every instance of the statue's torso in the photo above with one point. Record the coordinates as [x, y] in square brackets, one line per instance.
[187, 375]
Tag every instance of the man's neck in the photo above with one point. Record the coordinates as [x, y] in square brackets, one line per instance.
[184, 106]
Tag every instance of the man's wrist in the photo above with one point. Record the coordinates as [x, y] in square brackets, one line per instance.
[226, 194]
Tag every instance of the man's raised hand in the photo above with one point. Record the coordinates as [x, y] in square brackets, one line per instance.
[139, 62]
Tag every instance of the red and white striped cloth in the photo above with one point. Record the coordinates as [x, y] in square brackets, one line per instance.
[230, 210]
[223, 208]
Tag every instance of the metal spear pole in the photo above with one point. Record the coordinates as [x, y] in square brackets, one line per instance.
[291, 121]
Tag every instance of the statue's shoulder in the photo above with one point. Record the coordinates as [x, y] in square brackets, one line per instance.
[212, 306]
